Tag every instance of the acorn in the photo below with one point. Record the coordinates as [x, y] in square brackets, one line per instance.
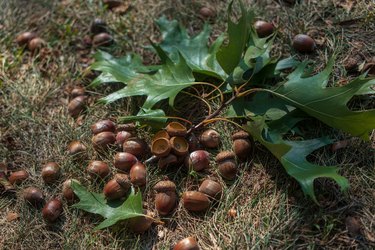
[18, 177]
[241, 144]
[135, 146]
[103, 126]
[211, 188]
[198, 160]
[227, 164]
[25, 37]
[263, 28]
[98, 26]
[76, 106]
[33, 196]
[98, 169]
[303, 43]
[188, 243]
[195, 201]
[103, 140]
[124, 161]
[102, 40]
[161, 147]
[67, 190]
[176, 129]
[117, 187]
[112, 3]
[130, 127]
[122, 136]
[52, 210]
[165, 199]
[51, 172]
[141, 224]
[169, 160]
[179, 145]
[76, 148]
[138, 174]
[36, 44]
[193, 143]
[77, 91]
[210, 138]
[207, 12]
[161, 134]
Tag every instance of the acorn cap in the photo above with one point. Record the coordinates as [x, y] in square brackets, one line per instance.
[176, 129]
[161, 134]
[225, 155]
[165, 186]
[179, 145]
[123, 180]
[240, 135]
[126, 127]
[161, 147]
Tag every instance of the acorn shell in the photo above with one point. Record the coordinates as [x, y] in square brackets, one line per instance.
[176, 129]
[195, 201]
[179, 145]
[18, 177]
[161, 147]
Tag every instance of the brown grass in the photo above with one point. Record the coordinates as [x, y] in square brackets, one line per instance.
[271, 210]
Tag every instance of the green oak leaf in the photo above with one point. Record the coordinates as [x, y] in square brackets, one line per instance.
[166, 83]
[329, 104]
[113, 212]
[155, 118]
[292, 154]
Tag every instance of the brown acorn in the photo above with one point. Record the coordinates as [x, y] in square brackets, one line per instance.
[77, 91]
[102, 40]
[193, 143]
[98, 169]
[165, 199]
[161, 147]
[23, 38]
[135, 146]
[68, 192]
[198, 160]
[138, 174]
[77, 105]
[103, 140]
[103, 126]
[52, 210]
[227, 164]
[303, 43]
[33, 196]
[36, 44]
[241, 144]
[263, 28]
[188, 243]
[179, 145]
[195, 201]
[18, 177]
[165, 186]
[98, 26]
[207, 12]
[176, 129]
[76, 148]
[51, 172]
[210, 138]
[169, 160]
[141, 224]
[124, 161]
[130, 127]
[117, 187]
[211, 188]
[122, 136]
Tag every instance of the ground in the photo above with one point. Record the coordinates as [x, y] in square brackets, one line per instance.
[271, 210]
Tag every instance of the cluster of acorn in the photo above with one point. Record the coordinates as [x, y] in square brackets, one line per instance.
[30, 40]
[301, 42]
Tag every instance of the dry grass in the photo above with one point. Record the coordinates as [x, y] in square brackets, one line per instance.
[271, 210]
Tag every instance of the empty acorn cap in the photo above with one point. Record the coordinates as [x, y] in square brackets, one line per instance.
[165, 186]
[176, 129]
[225, 155]
[160, 134]
[161, 147]
[240, 135]
[179, 145]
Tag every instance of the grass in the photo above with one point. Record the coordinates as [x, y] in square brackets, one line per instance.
[271, 210]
